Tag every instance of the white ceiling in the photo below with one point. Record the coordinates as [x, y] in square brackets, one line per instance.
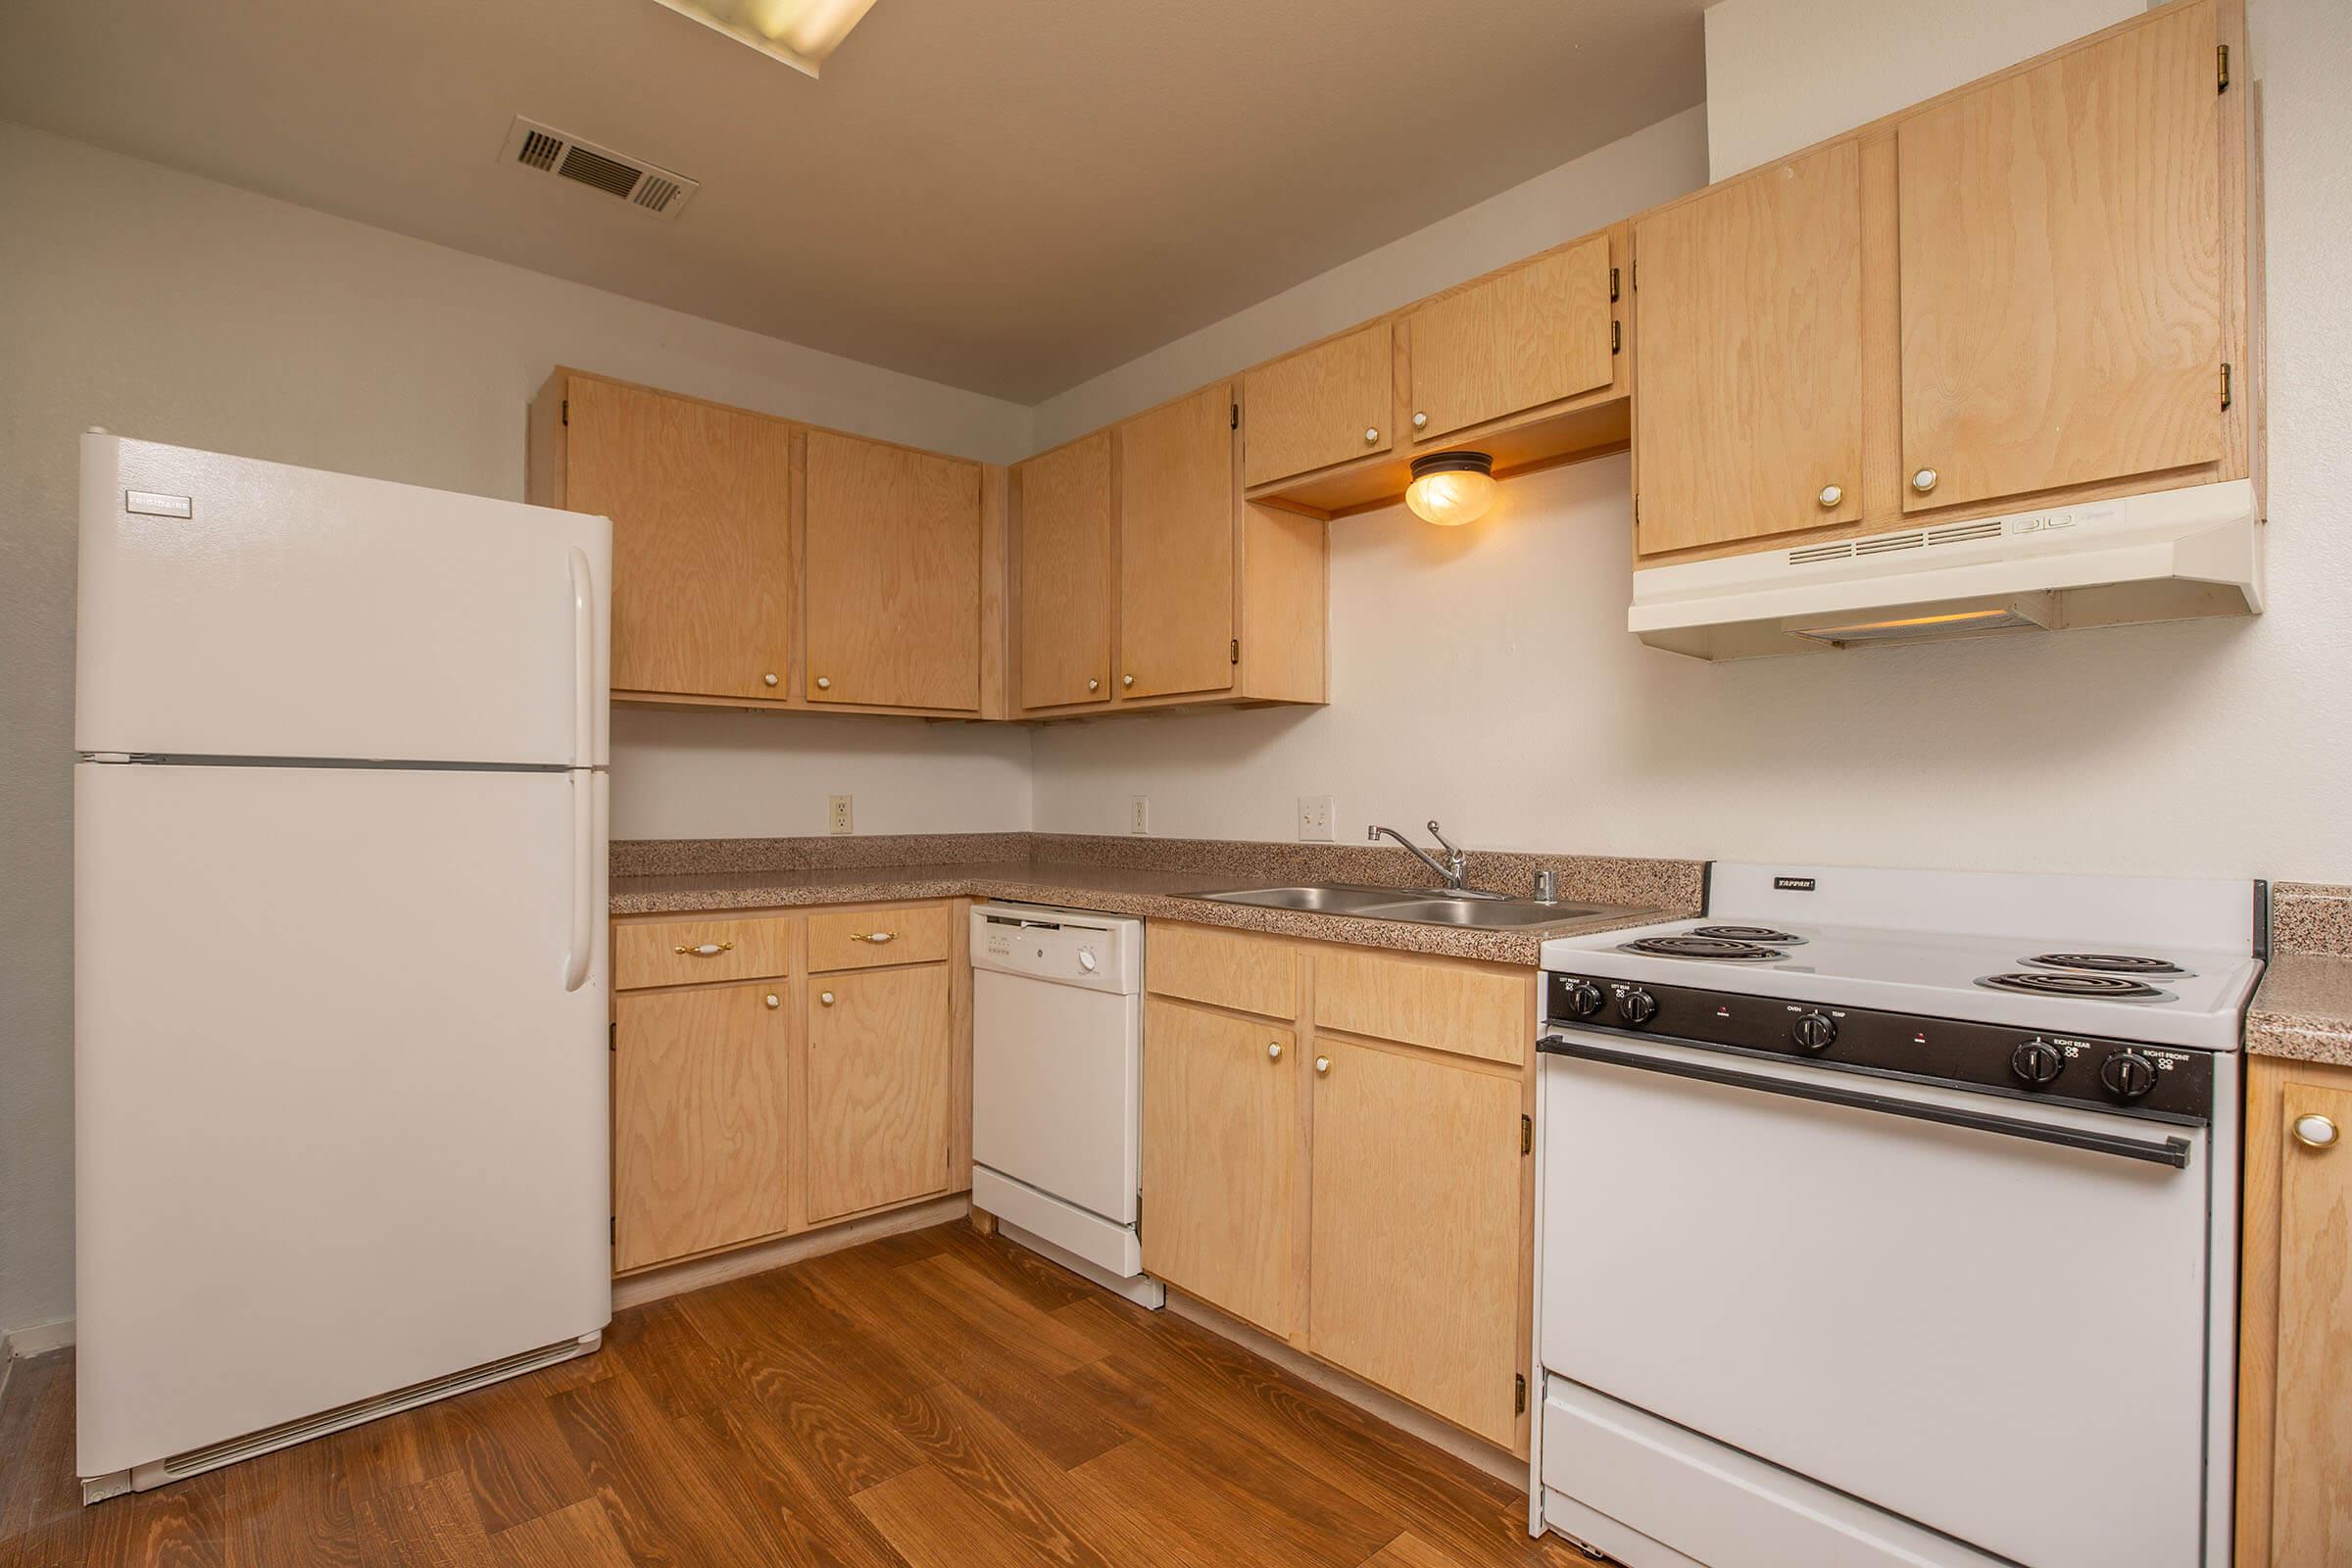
[1004, 195]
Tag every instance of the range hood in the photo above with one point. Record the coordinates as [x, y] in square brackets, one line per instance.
[2169, 554]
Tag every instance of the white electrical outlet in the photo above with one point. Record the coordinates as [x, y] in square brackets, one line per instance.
[1139, 815]
[1314, 817]
[837, 813]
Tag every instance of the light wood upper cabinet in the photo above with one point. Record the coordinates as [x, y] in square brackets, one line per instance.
[1748, 356]
[1063, 506]
[1415, 1231]
[1532, 335]
[2294, 1442]
[1221, 1158]
[701, 498]
[878, 1098]
[1177, 502]
[2062, 272]
[1323, 405]
[701, 1127]
[893, 576]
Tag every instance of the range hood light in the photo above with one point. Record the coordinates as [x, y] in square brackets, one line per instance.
[1904, 629]
[1452, 488]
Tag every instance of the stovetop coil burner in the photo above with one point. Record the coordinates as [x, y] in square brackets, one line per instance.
[1754, 935]
[2109, 963]
[1720, 949]
[2088, 987]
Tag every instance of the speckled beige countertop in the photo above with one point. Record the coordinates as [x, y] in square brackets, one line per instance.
[1634, 892]
[2303, 1008]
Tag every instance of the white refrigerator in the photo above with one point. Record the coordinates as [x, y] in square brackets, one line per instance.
[340, 1050]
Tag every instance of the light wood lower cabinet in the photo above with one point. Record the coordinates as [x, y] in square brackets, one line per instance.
[1414, 1261]
[702, 1123]
[2294, 1443]
[1221, 1168]
[793, 1078]
[878, 1088]
[1365, 1194]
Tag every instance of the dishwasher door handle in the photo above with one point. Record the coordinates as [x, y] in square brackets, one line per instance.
[2173, 1151]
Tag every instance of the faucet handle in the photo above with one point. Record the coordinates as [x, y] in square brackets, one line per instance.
[1442, 842]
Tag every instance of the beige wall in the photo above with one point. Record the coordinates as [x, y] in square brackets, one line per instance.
[1786, 74]
[1484, 677]
[171, 308]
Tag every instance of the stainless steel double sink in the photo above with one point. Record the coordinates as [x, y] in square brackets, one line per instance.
[1486, 911]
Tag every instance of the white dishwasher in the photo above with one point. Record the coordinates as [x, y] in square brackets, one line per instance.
[1058, 1012]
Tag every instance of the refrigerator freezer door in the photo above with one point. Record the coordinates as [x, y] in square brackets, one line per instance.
[340, 1128]
[295, 614]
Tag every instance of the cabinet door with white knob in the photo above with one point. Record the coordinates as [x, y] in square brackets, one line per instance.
[1062, 510]
[1320, 405]
[2062, 272]
[1529, 336]
[1748, 345]
[701, 498]
[894, 539]
[701, 1125]
[1177, 555]
[879, 1088]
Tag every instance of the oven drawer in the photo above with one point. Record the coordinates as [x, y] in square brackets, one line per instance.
[1605, 1463]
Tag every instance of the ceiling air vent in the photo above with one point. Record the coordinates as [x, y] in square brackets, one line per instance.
[643, 185]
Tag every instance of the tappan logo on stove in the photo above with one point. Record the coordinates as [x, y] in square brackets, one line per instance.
[1793, 884]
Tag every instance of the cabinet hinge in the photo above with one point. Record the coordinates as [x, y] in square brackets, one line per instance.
[1527, 1135]
[1234, 411]
[1633, 277]
[2225, 399]
[563, 411]
[1139, 1213]
[1519, 1394]
[2220, 69]
[613, 1229]
[612, 1035]
[1612, 285]
[1233, 653]
[1616, 337]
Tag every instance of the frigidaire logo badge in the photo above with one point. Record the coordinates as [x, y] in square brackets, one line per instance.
[1793, 884]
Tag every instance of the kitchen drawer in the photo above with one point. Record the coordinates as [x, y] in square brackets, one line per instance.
[1468, 1009]
[1224, 968]
[865, 939]
[671, 952]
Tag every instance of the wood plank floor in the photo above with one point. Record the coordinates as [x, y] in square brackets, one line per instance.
[929, 1400]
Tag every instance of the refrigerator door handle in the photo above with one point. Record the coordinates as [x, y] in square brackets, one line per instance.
[583, 661]
[583, 879]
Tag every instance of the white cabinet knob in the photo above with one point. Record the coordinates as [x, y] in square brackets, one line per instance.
[1093, 685]
[768, 679]
[1370, 435]
[1924, 480]
[1322, 1067]
[1126, 680]
[1273, 1051]
[1831, 495]
[823, 685]
[2315, 1132]
[1420, 421]
[775, 1001]
[825, 997]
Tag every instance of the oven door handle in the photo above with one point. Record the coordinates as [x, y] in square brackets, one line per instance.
[2173, 1151]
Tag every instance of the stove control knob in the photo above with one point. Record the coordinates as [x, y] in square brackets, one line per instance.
[2128, 1073]
[2037, 1062]
[1637, 1007]
[1814, 1031]
[1583, 999]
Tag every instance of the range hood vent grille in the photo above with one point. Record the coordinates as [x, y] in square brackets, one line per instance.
[1884, 544]
[646, 186]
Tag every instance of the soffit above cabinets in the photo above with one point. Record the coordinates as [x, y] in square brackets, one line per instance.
[1009, 197]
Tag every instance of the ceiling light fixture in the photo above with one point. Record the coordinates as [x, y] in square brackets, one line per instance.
[1452, 488]
[798, 33]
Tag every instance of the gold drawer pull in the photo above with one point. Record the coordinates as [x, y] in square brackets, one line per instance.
[878, 938]
[709, 950]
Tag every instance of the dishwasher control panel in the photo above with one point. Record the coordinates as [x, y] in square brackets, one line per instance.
[1097, 951]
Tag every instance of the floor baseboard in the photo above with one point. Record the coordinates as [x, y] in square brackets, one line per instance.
[36, 1339]
[694, 1274]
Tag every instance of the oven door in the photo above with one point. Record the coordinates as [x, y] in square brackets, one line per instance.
[1983, 1315]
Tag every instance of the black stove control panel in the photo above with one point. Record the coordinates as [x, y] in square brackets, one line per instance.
[2158, 1082]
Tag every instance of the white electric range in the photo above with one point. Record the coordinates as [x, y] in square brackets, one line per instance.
[1890, 1218]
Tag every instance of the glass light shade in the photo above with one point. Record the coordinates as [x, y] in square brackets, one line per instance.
[1452, 488]
[798, 33]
